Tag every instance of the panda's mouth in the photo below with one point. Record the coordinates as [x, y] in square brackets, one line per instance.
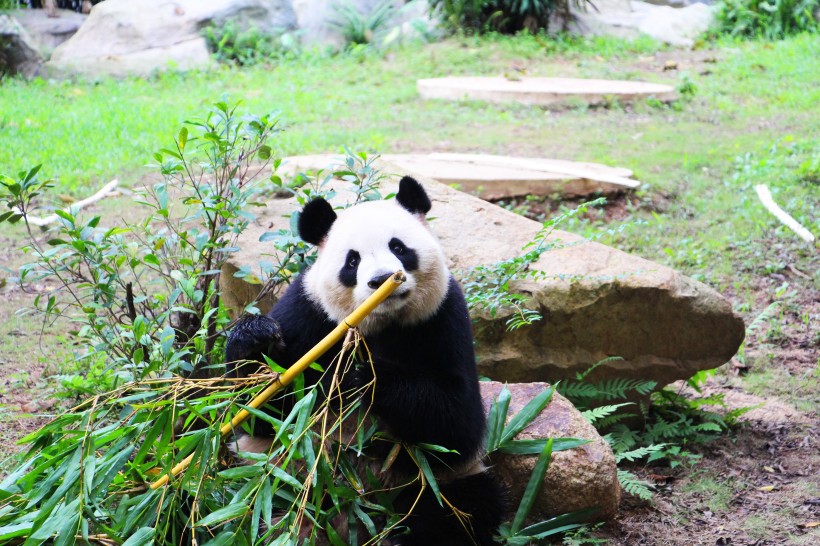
[397, 297]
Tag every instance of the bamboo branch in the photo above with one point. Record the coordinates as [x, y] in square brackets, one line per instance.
[286, 378]
[766, 198]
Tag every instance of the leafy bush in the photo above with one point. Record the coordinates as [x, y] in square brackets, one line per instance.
[360, 28]
[771, 20]
[147, 300]
[506, 16]
[146, 296]
[230, 43]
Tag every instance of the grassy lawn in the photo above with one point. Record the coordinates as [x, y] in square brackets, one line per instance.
[752, 118]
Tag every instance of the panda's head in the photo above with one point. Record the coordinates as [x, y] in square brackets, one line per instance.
[363, 245]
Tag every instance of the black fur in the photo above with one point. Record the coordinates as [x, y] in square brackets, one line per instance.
[412, 196]
[348, 275]
[408, 257]
[480, 496]
[315, 221]
[426, 392]
[426, 388]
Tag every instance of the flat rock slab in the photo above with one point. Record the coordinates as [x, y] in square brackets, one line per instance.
[494, 177]
[541, 91]
[595, 301]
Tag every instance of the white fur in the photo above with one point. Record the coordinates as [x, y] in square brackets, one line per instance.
[367, 228]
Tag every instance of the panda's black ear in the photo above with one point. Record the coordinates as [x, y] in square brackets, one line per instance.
[412, 196]
[315, 221]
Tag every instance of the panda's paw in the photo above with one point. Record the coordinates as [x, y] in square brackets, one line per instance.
[253, 336]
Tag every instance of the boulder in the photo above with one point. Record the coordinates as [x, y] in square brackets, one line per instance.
[320, 21]
[595, 301]
[121, 37]
[585, 477]
[679, 25]
[49, 32]
[18, 52]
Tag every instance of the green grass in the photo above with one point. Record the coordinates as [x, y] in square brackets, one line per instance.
[752, 120]
[714, 493]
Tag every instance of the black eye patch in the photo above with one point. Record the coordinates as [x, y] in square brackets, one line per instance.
[347, 275]
[407, 256]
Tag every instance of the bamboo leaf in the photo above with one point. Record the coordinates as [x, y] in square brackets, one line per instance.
[496, 418]
[223, 514]
[533, 487]
[527, 414]
[143, 536]
[557, 524]
[535, 446]
[424, 465]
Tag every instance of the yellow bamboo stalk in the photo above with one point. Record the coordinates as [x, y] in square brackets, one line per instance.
[286, 378]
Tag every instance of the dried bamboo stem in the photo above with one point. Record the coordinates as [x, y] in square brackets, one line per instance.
[45, 220]
[768, 202]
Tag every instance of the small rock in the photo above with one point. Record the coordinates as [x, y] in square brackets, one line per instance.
[581, 478]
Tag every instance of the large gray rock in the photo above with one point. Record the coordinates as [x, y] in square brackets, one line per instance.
[18, 52]
[596, 301]
[679, 25]
[319, 20]
[49, 32]
[582, 478]
[123, 37]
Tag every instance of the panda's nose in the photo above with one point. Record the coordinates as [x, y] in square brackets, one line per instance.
[378, 280]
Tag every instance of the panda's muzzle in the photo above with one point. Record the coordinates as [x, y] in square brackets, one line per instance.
[378, 280]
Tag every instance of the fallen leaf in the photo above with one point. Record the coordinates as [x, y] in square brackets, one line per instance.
[768, 469]
[766, 488]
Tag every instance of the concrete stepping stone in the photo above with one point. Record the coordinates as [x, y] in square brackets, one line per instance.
[494, 177]
[541, 91]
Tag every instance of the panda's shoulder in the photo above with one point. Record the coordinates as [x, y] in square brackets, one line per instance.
[296, 309]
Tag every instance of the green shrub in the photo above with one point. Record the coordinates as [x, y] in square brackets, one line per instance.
[360, 28]
[771, 20]
[505, 16]
[232, 44]
[151, 325]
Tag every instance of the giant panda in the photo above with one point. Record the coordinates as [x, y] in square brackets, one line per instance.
[420, 339]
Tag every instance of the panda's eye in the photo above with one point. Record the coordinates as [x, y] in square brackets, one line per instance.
[397, 247]
[353, 259]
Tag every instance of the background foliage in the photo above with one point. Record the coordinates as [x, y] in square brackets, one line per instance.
[771, 20]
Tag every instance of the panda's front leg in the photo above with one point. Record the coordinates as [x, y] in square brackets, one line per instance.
[252, 338]
[443, 410]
